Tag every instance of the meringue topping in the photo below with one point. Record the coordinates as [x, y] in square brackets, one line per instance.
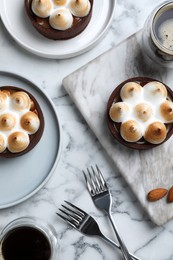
[143, 111]
[30, 122]
[20, 100]
[166, 110]
[155, 133]
[3, 143]
[6, 92]
[42, 8]
[17, 142]
[7, 121]
[131, 131]
[155, 91]
[18, 120]
[60, 2]
[131, 91]
[80, 8]
[61, 19]
[148, 110]
[119, 111]
[3, 100]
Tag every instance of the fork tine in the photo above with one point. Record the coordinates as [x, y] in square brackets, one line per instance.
[66, 220]
[92, 181]
[73, 216]
[70, 217]
[101, 177]
[77, 216]
[88, 183]
[97, 180]
[98, 184]
[83, 214]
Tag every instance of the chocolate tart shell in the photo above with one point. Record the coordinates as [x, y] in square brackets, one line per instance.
[43, 27]
[114, 127]
[34, 138]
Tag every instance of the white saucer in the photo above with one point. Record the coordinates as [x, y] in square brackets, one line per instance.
[23, 176]
[18, 25]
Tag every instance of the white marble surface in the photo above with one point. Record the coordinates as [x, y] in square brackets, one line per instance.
[81, 149]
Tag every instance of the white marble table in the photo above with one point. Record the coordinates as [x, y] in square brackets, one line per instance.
[81, 149]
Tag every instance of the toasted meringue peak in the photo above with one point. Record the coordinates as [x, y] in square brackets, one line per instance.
[61, 19]
[30, 122]
[80, 8]
[119, 111]
[131, 131]
[155, 92]
[20, 100]
[130, 90]
[155, 133]
[60, 2]
[7, 122]
[42, 8]
[143, 111]
[3, 100]
[166, 111]
[18, 141]
[7, 92]
[3, 143]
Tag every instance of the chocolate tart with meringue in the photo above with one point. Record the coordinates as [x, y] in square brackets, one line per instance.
[59, 19]
[21, 121]
[140, 113]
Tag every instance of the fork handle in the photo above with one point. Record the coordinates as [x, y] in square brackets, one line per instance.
[123, 248]
[116, 245]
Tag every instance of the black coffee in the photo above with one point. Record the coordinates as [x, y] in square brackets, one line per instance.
[164, 28]
[26, 243]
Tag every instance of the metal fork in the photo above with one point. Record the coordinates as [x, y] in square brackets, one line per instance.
[83, 222]
[102, 199]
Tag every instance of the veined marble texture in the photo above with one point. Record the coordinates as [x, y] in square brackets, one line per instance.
[81, 149]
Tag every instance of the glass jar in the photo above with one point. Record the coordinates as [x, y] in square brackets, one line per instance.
[28, 238]
[157, 36]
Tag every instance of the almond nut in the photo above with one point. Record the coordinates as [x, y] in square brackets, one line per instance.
[170, 195]
[157, 194]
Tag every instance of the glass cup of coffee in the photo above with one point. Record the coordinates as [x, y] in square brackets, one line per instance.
[157, 37]
[28, 238]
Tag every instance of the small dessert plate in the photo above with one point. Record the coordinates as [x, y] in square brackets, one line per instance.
[21, 177]
[17, 23]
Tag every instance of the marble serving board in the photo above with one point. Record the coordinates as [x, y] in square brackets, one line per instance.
[90, 87]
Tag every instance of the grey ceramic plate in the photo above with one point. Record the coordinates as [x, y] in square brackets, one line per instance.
[23, 176]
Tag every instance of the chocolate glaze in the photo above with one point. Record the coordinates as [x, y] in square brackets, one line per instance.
[34, 138]
[115, 127]
[43, 27]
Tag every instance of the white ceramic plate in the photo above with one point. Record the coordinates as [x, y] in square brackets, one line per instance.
[23, 176]
[18, 25]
